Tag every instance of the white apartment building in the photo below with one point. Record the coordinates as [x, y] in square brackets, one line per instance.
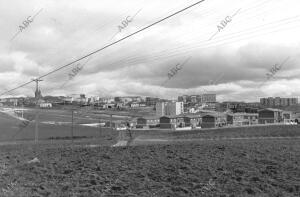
[169, 108]
[160, 109]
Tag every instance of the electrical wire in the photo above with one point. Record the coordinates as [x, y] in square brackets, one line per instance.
[218, 42]
[120, 40]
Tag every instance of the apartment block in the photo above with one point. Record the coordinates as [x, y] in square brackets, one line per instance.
[169, 108]
[208, 98]
[160, 109]
[201, 98]
[174, 108]
[278, 101]
[151, 101]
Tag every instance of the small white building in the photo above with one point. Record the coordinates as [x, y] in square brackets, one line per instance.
[134, 105]
[45, 105]
[68, 99]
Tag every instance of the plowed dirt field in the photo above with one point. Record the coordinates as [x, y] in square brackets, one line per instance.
[207, 168]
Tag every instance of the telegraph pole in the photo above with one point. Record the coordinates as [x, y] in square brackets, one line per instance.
[99, 128]
[72, 128]
[110, 124]
[37, 97]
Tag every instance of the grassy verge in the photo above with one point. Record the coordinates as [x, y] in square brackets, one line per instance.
[258, 131]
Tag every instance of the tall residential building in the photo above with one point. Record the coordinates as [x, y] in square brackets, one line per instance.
[151, 101]
[284, 102]
[128, 99]
[270, 101]
[263, 101]
[160, 109]
[169, 108]
[292, 101]
[277, 101]
[194, 98]
[183, 98]
[174, 108]
[208, 98]
[201, 98]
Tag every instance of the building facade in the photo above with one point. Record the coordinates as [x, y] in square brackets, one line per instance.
[201, 98]
[269, 116]
[169, 108]
[160, 109]
[213, 120]
[278, 101]
[147, 122]
[174, 108]
[151, 101]
[242, 119]
[208, 98]
[167, 122]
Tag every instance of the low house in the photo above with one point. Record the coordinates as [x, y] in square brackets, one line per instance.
[269, 116]
[115, 124]
[147, 122]
[213, 120]
[68, 99]
[296, 118]
[241, 119]
[290, 117]
[134, 105]
[187, 120]
[287, 116]
[210, 106]
[110, 124]
[109, 106]
[45, 105]
[10, 101]
[119, 105]
[196, 120]
[142, 104]
[183, 121]
[166, 122]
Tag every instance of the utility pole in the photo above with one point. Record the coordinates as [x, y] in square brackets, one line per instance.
[72, 128]
[22, 109]
[110, 124]
[37, 97]
[99, 128]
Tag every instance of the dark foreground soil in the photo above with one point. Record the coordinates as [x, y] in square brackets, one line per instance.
[223, 168]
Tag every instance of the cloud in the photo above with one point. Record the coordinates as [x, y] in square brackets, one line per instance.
[64, 31]
[7, 64]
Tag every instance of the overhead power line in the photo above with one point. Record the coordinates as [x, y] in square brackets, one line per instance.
[106, 46]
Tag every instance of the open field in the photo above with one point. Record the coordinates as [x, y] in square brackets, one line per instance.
[178, 167]
[211, 168]
[52, 124]
[56, 124]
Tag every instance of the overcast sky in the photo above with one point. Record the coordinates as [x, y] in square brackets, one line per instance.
[233, 64]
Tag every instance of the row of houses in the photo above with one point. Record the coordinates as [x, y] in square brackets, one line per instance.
[218, 119]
